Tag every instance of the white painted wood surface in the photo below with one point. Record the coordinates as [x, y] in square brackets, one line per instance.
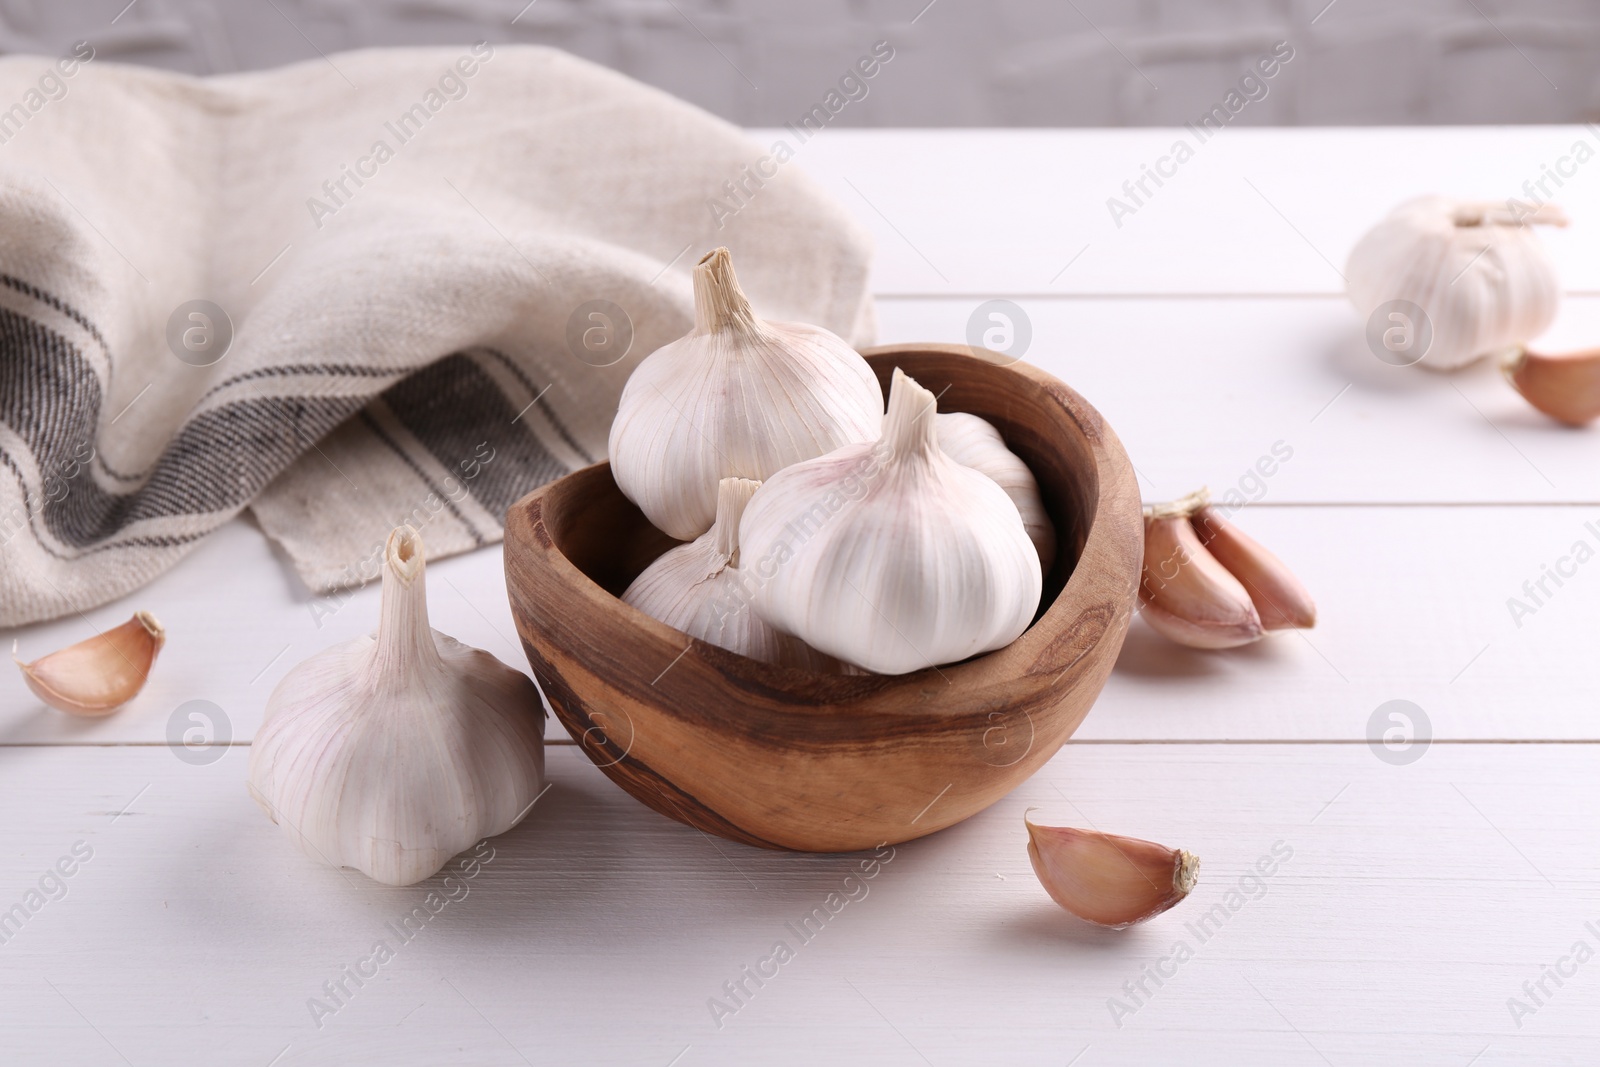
[1254, 211]
[1417, 899]
[1420, 896]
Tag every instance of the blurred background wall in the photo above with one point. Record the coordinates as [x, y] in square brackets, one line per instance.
[956, 62]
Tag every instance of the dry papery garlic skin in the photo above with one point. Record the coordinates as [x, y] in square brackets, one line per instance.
[1477, 269]
[974, 442]
[96, 677]
[394, 752]
[738, 397]
[892, 556]
[1565, 387]
[1108, 879]
[1206, 584]
[697, 588]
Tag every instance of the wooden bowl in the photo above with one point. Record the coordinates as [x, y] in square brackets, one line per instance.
[783, 758]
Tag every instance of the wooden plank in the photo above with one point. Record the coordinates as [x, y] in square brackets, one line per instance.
[1201, 390]
[1254, 210]
[237, 619]
[599, 931]
[1414, 604]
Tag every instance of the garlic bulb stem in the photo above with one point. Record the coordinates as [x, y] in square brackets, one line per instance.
[1495, 213]
[732, 496]
[719, 303]
[404, 637]
[908, 426]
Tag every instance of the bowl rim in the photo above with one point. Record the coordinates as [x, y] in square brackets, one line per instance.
[1115, 524]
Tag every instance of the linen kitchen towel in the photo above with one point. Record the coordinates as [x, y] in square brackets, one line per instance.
[386, 286]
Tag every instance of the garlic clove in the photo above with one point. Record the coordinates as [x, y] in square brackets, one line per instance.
[699, 589]
[1477, 270]
[97, 676]
[1566, 387]
[974, 442]
[1109, 879]
[738, 397]
[891, 555]
[1280, 599]
[1188, 595]
[394, 752]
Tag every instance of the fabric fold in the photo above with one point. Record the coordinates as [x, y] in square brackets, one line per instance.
[394, 285]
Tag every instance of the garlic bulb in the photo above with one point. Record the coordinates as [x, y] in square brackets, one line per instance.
[973, 442]
[891, 555]
[97, 676]
[698, 589]
[1477, 270]
[736, 398]
[394, 752]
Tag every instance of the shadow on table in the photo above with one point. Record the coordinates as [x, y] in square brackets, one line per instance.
[1146, 654]
[1043, 930]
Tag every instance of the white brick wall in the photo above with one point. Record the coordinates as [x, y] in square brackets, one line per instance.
[963, 62]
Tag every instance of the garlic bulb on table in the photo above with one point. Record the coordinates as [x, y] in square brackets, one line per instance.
[736, 398]
[698, 589]
[394, 752]
[1477, 270]
[891, 555]
[973, 442]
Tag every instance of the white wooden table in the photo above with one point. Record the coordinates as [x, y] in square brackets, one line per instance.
[1417, 899]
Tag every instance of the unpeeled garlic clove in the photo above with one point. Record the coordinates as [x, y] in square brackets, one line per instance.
[96, 677]
[1280, 600]
[1109, 879]
[1566, 387]
[1188, 595]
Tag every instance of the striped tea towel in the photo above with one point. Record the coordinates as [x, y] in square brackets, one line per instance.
[390, 285]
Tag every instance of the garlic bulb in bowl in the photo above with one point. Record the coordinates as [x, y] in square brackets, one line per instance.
[891, 555]
[697, 588]
[737, 397]
[393, 752]
[974, 442]
[1476, 269]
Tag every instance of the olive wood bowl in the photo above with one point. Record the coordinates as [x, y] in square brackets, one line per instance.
[783, 758]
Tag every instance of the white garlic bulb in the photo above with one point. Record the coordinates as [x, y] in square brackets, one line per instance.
[1477, 270]
[394, 752]
[735, 398]
[698, 589]
[891, 555]
[974, 442]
